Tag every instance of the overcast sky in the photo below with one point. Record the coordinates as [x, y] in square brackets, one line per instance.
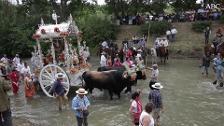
[101, 2]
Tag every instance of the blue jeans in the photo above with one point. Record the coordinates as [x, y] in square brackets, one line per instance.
[219, 74]
[6, 118]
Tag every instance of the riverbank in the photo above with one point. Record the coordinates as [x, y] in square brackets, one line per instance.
[188, 43]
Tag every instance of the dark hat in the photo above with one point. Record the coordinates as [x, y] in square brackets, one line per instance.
[135, 95]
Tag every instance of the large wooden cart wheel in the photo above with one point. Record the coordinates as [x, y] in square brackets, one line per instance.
[47, 78]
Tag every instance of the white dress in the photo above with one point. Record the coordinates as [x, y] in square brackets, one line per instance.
[143, 114]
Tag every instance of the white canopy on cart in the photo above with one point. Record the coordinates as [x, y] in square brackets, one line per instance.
[56, 30]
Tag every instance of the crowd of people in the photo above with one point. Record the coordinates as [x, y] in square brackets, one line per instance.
[132, 54]
[204, 13]
[151, 113]
[22, 74]
[15, 73]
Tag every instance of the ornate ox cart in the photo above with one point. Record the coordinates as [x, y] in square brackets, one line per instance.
[71, 63]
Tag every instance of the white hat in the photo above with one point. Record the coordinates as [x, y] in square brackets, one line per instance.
[60, 75]
[157, 86]
[138, 55]
[154, 65]
[81, 91]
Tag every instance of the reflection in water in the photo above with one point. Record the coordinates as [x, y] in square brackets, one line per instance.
[189, 100]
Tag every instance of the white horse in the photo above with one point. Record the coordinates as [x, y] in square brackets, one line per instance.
[154, 55]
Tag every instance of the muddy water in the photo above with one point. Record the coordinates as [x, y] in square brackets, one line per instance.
[189, 100]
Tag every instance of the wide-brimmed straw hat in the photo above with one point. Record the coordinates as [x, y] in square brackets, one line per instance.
[157, 86]
[59, 75]
[81, 91]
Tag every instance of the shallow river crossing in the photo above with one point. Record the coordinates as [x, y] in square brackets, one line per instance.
[189, 100]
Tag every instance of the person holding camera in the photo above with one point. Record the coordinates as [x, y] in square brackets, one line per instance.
[58, 90]
[5, 111]
[80, 104]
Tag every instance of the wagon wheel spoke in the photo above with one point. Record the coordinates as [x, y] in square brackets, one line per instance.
[52, 72]
[47, 77]
[48, 73]
[47, 83]
[46, 86]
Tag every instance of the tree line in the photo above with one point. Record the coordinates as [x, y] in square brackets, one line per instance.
[19, 22]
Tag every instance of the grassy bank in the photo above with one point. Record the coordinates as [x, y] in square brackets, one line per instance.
[188, 43]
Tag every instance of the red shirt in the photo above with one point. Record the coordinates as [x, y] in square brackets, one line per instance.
[14, 76]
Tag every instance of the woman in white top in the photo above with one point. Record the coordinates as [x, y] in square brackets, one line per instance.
[146, 118]
[135, 108]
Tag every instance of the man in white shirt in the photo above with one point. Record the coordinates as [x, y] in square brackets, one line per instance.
[168, 34]
[103, 59]
[154, 75]
[173, 34]
[16, 60]
[19, 67]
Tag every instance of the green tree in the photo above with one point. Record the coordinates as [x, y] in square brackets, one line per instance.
[96, 28]
[184, 5]
[13, 34]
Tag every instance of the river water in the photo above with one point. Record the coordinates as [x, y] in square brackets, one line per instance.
[189, 100]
